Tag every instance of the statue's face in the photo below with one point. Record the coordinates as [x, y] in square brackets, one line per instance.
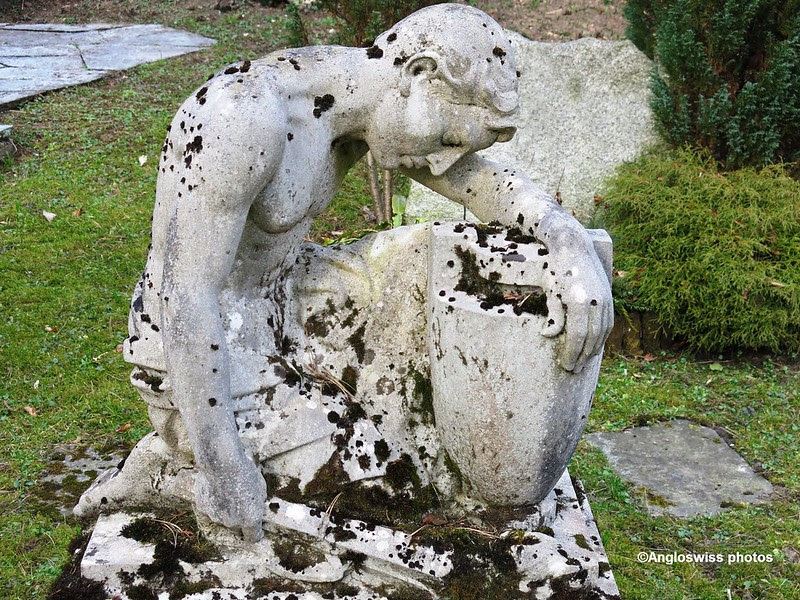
[434, 130]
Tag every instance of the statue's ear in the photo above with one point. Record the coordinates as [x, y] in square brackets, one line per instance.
[423, 65]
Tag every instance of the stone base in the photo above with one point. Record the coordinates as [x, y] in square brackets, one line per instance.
[309, 554]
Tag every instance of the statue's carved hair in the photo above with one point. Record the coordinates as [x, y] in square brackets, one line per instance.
[473, 53]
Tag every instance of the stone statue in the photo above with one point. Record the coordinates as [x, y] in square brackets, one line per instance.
[250, 159]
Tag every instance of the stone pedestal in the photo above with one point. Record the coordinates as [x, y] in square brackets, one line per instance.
[553, 552]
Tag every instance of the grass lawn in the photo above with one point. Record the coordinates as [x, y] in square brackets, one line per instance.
[65, 286]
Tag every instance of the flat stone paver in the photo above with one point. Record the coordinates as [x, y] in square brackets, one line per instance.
[687, 469]
[39, 58]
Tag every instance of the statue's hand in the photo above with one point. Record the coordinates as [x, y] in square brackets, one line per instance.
[579, 303]
[234, 497]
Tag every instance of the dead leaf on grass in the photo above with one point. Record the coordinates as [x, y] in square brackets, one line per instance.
[77, 212]
[31, 411]
[48, 215]
[123, 428]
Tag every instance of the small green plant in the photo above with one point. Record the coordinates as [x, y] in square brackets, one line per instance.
[714, 255]
[726, 77]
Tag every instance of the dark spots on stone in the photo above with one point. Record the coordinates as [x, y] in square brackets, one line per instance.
[356, 340]
[593, 302]
[215, 346]
[400, 60]
[196, 145]
[154, 381]
[245, 67]
[137, 306]
[350, 378]
[231, 70]
[542, 252]
[374, 52]
[322, 103]
[442, 293]
[289, 136]
[515, 235]
[520, 219]
[201, 95]
[212, 401]
[382, 451]
[155, 328]
[188, 161]
[498, 52]
[274, 506]
[392, 37]
[333, 417]
[364, 461]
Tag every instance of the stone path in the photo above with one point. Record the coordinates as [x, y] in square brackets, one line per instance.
[685, 469]
[39, 58]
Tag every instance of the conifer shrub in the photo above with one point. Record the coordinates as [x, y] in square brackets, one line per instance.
[715, 255]
[727, 75]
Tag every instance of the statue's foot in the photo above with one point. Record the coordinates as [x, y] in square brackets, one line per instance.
[151, 471]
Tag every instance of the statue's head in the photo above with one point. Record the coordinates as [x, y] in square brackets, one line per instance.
[457, 80]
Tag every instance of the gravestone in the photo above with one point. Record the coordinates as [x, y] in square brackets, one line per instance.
[685, 469]
[391, 417]
[35, 58]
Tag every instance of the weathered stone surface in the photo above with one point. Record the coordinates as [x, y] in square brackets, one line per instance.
[38, 58]
[584, 111]
[510, 425]
[687, 469]
[314, 555]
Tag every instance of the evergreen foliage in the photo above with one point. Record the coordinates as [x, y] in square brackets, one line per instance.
[728, 76]
[362, 20]
[715, 255]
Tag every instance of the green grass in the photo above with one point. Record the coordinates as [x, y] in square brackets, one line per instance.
[64, 293]
[760, 408]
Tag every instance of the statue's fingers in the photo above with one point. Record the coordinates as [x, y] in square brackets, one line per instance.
[555, 317]
[576, 332]
[594, 337]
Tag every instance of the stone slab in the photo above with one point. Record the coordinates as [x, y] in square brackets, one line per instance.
[687, 469]
[43, 57]
[569, 555]
[584, 110]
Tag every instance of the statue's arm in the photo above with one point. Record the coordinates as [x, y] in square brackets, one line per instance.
[203, 235]
[575, 278]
